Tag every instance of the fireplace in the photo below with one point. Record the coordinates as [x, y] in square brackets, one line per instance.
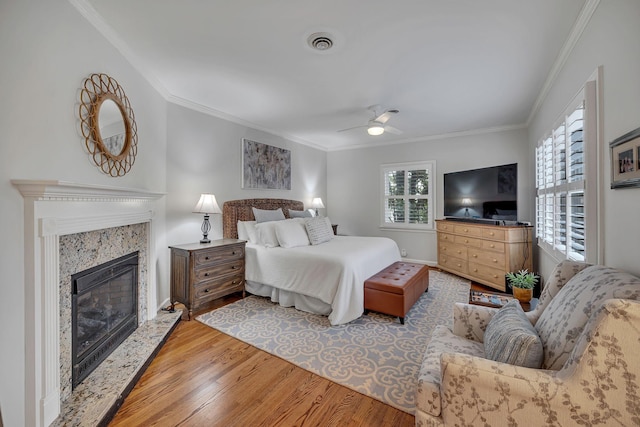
[104, 312]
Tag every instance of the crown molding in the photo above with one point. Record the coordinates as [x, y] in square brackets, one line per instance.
[579, 26]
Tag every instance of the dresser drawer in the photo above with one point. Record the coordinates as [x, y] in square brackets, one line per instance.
[467, 230]
[443, 226]
[457, 251]
[445, 237]
[223, 269]
[468, 241]
[490, 245]
[492, 233]
[492, 275]
[214, 255]
[491, 259]
[213, 289]
[452, 263]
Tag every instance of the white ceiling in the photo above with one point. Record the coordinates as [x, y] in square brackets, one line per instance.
[449, 66]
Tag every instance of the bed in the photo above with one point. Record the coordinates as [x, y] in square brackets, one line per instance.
[325, 279]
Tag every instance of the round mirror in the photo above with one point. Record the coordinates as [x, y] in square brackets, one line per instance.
[108, 124]
[111, 125]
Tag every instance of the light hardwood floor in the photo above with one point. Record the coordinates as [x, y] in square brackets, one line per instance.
[202, 377]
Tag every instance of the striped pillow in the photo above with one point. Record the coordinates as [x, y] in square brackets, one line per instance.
[511, 338]
[319, 230]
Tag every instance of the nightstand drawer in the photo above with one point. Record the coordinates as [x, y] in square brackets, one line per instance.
[215, 255]
[493, 275]
[207, 273]
[217, 288]
[469, 241]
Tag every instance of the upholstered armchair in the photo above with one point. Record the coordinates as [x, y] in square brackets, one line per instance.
[585, 332]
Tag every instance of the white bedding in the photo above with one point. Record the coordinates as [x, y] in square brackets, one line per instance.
[329, 277]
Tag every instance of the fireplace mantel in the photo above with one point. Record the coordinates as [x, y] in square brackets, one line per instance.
[52, 209]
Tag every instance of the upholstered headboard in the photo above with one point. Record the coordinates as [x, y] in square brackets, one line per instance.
[240, 210]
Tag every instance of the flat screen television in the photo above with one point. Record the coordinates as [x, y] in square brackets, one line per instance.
[486, 193]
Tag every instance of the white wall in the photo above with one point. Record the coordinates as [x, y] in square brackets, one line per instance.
[610, 40]
[47, 50]
[353, 181]
[204, 156]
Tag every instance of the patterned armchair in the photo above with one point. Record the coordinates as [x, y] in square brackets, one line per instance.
[588, 324]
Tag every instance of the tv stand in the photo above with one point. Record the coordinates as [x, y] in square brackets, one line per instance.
[483, 252]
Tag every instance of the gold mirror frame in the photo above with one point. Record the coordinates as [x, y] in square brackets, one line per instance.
[96, 90]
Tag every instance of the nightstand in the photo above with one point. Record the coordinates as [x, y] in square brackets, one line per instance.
[203, 272]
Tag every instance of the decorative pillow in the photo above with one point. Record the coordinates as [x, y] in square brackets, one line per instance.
[299, 214]
[248, 231]
[265, 215]
[511, 338]
[319, 230]
[291, 233]
[266, 234]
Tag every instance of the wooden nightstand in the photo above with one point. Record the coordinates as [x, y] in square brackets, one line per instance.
[203, 272]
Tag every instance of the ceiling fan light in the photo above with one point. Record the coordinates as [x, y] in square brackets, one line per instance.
[375, 130]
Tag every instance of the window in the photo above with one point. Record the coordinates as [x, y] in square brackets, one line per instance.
[566, 188]
[407, 197]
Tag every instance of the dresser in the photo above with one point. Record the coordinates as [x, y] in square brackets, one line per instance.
[203, 272]
[483, 253]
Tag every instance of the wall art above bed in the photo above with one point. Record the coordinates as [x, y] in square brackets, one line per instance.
[265, 166]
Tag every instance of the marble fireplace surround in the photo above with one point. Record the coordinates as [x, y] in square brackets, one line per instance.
[53, 209]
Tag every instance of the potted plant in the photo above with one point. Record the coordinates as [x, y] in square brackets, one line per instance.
[522, 284]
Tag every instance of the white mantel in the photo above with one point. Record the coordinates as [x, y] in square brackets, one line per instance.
[52, 209]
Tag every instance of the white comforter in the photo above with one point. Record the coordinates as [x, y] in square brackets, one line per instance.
[333, 272]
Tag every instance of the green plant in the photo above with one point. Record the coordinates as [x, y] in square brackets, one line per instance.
[522, 279]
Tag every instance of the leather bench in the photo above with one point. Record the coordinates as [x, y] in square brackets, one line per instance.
[395, 289]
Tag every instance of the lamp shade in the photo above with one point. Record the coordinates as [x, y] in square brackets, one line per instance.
[207, 205]
[317, 203]
[375, 129]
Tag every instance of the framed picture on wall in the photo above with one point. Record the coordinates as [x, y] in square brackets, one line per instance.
[265, 166]
[625, 160]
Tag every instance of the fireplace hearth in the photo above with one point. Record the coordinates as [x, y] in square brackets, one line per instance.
[104, 312]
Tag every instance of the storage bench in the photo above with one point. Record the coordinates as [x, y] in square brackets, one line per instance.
[395, 289]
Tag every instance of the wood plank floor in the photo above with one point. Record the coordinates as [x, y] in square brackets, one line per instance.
[202, 377]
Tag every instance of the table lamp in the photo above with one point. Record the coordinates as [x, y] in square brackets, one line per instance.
[206, 205]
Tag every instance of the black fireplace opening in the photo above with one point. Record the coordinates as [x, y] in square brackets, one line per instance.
[104, 312]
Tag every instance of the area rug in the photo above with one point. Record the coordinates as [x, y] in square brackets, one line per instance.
[374, 355]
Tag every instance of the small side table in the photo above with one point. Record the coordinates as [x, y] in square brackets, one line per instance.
[203, 272]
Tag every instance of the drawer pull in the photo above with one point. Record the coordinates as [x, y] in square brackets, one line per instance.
[233, 267]
[206, 274]
[466, 240]
[466, 230]
[491, 233]
[207, 258]
[206, 291]
[233, 253]
[492, 245]
[459, 252]
[234, 282]
[495, 260]
[459, 265]
[474, 255]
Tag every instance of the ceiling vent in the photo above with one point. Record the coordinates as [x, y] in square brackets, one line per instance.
[320, 41]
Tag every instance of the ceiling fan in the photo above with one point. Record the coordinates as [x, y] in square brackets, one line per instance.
[377, 125]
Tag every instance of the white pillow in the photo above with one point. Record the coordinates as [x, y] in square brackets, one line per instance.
[291, 233]
[266, 234]
[319, 229]
[242, 233]
[265, 215]
[249, 228]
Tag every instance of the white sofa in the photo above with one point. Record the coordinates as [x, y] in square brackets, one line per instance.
[588, 325]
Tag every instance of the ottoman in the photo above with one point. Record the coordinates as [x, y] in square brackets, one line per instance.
[395, 289]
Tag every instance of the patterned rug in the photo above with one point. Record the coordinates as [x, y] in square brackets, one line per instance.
[374, 355]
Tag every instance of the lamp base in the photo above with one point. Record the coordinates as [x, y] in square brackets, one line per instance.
[205, 241]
